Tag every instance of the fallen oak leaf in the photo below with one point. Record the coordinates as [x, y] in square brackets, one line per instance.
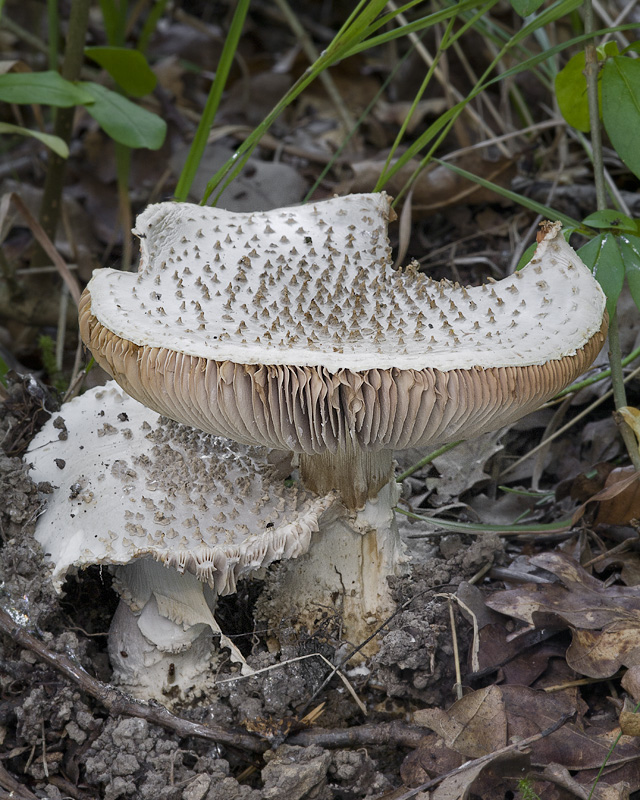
[605, 620]
[624, 504]
[474, 725]
[613, 487]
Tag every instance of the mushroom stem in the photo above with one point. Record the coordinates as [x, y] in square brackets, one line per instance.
[357, 474]
[345, 573]
[161, 638]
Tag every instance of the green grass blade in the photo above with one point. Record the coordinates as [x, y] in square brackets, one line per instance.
[213, 101]
[520, 199]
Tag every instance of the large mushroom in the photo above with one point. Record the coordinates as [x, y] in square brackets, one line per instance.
[291, 329]
[179, 516]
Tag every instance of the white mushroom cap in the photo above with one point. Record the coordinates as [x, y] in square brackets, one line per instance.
[290, 328]
[130, 485]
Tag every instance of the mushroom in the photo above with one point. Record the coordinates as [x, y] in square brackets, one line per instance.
[178, 515]
[291, 329]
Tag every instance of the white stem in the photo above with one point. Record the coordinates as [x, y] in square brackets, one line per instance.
[345, 573]
[161, 638]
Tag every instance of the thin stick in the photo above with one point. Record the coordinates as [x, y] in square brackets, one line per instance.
[49, 248]
[566, 427]
[118, 702]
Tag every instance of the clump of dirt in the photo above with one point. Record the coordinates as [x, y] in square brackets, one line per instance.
[416, 659]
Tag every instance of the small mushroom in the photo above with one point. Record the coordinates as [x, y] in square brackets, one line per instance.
[291, 329]
[178, 515]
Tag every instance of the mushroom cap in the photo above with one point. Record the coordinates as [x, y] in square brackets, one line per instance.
[291, 329]
[130, 484]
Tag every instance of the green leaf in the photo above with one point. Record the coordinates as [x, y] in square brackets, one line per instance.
[621, 108]
[571, 88]
[3, 371]
[128, 68]
[571, 93]
[124, 121]
[54, 143]
[609, 218]
[603, 258]
[526, 7]
[630, 252]
[48, 88]
[526, 257]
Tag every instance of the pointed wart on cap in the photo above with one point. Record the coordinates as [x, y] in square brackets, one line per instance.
[135, 485]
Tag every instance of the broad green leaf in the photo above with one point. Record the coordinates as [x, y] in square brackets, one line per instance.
[54, 143]
[48, 88]
[603, 258]
[571, 93]
[124, 121]
[609, 218]
[3, 371]
[526, 7]
[630, 252]
[621, 108]
[571, 88]
[128, 68]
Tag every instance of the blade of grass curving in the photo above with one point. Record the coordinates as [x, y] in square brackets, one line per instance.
[425, 83]
[371, 105]
[532, 205]
[448, 39]
[558, 9]
[560, 526]
[213, 101]
[441, 126]
[353, 29]
[417, 26]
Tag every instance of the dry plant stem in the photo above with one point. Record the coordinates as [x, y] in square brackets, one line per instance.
[566, 427]
[310, 51]
[615, 356]
[619, 394]
[74, 55]
[446, 84]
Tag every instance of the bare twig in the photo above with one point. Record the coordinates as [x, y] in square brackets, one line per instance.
[377, 733]
[44, 241]
[119, 703]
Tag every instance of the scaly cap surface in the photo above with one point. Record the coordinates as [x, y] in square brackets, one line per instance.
[130, 484]
[290, 328]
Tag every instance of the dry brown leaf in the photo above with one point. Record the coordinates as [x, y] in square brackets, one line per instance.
[473, 726]
[438, 187]
[631, 682]
[605, 620]
[630, 723]
[623, 505]
[614, 509]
